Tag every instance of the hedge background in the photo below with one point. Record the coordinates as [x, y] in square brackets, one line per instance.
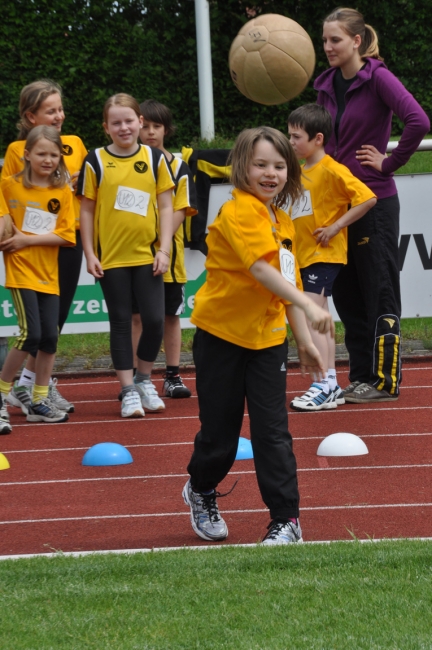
[95, 48]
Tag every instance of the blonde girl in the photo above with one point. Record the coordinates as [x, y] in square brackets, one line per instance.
[240, 345]
[41, 103]
[126, 225]
[41, 206]
[362, 95]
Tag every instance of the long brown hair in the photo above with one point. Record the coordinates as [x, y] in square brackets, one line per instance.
[60, 176]
[352, 22]
[242, 154]
[31, 98]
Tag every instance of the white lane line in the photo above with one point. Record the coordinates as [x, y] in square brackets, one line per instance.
[146, 477]
[339, 411]
[225, 512]
[177, 444]
[158, 444]
[203, 547]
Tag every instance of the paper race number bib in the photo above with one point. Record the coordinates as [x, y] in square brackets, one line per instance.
[129, 199]
[287, 265]
[38, 221]
[302, 207]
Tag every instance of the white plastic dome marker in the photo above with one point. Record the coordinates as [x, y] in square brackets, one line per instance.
[342, 444]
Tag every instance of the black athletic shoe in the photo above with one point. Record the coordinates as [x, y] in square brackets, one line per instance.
[173, 386]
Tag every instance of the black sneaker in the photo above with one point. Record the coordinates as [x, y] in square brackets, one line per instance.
[173, 386]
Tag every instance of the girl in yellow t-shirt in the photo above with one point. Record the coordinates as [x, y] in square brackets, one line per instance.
[41, 103]
[240, 346]
[127, 226]
[40, 203]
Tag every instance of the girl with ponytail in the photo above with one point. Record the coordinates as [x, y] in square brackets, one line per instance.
[361, 95]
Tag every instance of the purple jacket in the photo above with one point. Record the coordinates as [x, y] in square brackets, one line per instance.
[370, 103]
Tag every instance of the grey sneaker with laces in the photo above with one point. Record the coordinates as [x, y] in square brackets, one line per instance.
[351, 387]
[5, 426]
[367, 394]
[280, 532]
[204, 514]
[45, 411]
[20, 397]
[57, 399]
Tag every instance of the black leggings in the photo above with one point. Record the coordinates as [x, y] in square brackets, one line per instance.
[37, 315]
[227, 376]
[118, 286]
[69, 265]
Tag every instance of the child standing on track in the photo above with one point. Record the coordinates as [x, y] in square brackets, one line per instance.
[40, 203]
[41, 103]
[157, 125]
[240, 346]
[332, 199]
[126, 226]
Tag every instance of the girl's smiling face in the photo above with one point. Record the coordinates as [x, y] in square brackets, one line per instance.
[267, 172]
[49, 113]
[123, 126]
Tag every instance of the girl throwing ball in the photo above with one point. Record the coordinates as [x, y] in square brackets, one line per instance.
[240, 345]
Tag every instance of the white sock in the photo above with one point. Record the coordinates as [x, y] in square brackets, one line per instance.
[323, 384]
[332, 378]
[27, 378]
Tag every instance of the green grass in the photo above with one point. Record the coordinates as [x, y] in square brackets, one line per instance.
[338, 596]
[94, 346]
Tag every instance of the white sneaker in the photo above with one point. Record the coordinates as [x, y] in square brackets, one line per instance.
[282, 533]
[314, 399]
[149, 397]
[131, 405]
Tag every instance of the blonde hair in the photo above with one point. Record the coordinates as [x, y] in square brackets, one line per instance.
[352, 22]
[121, 99]
[31, 98]
[60, 176]
[242, 153]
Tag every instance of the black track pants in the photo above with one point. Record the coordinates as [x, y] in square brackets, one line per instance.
[226, 376]
[366, 295]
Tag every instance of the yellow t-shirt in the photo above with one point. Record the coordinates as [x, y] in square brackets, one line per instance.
[184, 197]
[232, 304]
[125, 188]
[3, 206]
[329, 190]
[74, 153]
[37, 210]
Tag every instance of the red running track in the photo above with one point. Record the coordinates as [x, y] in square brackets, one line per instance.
[50, 501]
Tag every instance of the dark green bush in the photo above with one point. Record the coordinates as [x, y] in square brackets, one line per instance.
[95, 48]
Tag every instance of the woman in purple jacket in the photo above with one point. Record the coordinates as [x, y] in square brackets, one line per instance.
[362, 95]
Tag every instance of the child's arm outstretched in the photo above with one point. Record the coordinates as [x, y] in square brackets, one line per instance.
[300, 309]
[323, 235]
[272, 280]
[87, 211]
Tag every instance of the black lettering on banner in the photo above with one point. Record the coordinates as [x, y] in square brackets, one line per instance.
[424, 255]
[403, 247]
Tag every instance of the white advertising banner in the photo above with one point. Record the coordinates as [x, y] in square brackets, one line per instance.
[89, 314]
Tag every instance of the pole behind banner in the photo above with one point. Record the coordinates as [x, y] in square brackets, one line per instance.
[205, 77]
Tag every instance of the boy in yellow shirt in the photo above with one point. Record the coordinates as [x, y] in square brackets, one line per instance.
[332, 199]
